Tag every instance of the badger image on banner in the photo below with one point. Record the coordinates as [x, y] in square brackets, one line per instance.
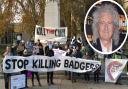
[113, 69]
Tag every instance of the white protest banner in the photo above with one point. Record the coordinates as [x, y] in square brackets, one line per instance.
[113, 69]
[38, 63]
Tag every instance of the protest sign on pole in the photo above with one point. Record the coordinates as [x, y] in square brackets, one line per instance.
[113, 69]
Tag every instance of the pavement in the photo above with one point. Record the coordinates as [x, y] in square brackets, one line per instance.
[61, 82]
[80, 84]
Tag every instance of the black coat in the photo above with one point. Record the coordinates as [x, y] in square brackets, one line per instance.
[78, 54]
[46, 49]
[50, 53]
[97, 45]
[41, 51]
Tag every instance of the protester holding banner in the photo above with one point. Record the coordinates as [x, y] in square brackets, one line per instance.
[69, 53]
[6, 75]
[96, 74]
[86, 74]
[25, 54]
[78, 54]
[37, 49]
[89, 54]
[20, 48]
[49, 52]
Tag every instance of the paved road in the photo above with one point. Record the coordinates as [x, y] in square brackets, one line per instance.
[1, 84]
[62, 83]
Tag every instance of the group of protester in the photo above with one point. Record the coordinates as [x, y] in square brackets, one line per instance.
[27, 49]
[79, 50]
[75, 49]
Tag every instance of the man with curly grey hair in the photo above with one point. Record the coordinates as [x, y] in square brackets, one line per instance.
[105, 28]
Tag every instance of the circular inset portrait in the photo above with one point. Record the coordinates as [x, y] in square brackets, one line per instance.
[105, 26]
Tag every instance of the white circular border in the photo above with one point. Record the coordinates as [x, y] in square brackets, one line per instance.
[112, 1]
